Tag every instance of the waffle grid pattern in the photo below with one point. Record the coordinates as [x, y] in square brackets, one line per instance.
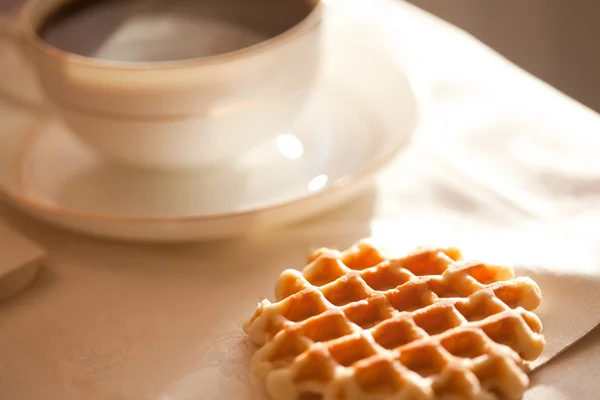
[359, 325]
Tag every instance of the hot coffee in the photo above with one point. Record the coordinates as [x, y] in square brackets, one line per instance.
[158, 30]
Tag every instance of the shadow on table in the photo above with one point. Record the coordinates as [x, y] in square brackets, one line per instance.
[337, 228]
[44, 280]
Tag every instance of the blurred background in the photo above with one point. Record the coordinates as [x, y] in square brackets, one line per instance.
[556, 40]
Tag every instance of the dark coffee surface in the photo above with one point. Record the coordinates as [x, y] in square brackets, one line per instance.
[166, 30]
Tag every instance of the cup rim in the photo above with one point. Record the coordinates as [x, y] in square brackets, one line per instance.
[311, 21]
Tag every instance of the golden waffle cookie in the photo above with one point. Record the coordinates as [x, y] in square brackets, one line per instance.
[359, 325]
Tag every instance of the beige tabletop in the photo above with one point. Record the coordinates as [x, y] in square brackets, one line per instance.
[502, 166]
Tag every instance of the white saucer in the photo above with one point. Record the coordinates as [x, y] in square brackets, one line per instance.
[362, 114]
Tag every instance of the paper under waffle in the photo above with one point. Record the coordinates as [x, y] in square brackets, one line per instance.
[358, 325]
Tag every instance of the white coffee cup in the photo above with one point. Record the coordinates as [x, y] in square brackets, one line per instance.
[177, 114]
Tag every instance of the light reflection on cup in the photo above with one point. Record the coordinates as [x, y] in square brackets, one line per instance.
[290, 146]
[317, 183]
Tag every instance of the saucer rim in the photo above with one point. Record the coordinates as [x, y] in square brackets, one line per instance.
[340, 184]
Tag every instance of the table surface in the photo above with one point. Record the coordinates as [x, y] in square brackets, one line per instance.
[490, 133]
